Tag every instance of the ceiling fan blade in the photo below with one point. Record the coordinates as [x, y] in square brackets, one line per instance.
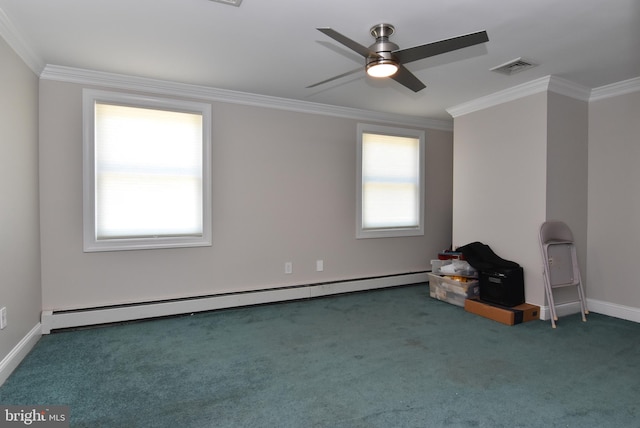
[440, 47]
[335, 77]
[353, 45]
[408, 79]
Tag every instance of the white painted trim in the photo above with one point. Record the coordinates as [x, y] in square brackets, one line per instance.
[547, 83]
[595, 306]
[89, 99]
[19, 352]
[614, 310]
[366, 128]
[66, 319]
[569, 89]
[14, 39]
[562, 309]
[613, 90]
[500, 97]
[163, 87]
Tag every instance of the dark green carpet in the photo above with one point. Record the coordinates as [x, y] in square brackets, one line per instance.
[387, 358]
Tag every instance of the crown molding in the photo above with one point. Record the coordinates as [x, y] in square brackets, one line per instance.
[13, 38]
[143, 84]
[500, 97]
[568, 88]
[619, 88]
[543, 84]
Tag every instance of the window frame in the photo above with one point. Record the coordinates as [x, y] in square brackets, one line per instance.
[91, 244]
[389, 232]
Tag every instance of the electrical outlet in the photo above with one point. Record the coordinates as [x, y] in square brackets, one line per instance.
[3, 317]
[288, 267]
[319, 265]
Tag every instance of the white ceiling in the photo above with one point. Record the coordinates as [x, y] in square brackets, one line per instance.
[272, 47]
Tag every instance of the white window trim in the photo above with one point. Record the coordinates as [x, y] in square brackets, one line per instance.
[395, 231]
[91, 244]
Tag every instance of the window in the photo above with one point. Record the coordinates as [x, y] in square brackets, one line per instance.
[146, 172]
[390, 196]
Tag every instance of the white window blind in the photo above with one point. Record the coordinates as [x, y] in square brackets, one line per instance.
[390, 181]
[146, 173]
[390, 174]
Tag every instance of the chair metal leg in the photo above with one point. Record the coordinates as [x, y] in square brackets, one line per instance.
[583, 304]
[549, 293]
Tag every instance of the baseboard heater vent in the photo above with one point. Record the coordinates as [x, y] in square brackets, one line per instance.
[53, 320]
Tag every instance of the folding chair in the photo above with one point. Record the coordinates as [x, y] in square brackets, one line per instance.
[560, 264]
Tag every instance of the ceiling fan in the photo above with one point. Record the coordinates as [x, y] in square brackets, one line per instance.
[385, 59]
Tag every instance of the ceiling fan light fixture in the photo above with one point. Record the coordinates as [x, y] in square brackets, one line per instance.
[381, 67]
[385, 59]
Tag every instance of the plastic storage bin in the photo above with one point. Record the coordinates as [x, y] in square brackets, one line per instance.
[452, 291]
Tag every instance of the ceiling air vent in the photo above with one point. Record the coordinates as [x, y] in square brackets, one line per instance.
[514, 66]
[229, 2]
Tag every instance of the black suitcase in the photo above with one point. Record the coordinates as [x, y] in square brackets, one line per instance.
[502, 286]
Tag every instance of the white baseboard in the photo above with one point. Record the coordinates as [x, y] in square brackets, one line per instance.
[614, 310]
[52, 320]
[562, 309]
[17, 354]
[596, 306]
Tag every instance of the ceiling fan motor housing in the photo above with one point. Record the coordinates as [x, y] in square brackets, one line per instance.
[382, 46]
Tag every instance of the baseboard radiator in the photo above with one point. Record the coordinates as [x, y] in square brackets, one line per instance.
[54, 320]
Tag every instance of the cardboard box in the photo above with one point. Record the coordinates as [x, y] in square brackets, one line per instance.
[452, 291]
[509, 316]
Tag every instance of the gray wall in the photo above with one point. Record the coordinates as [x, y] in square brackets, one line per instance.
[553, 157]
[614, 201]
[19, 220]
[283, 190]
[567, 176]
[499, 189]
